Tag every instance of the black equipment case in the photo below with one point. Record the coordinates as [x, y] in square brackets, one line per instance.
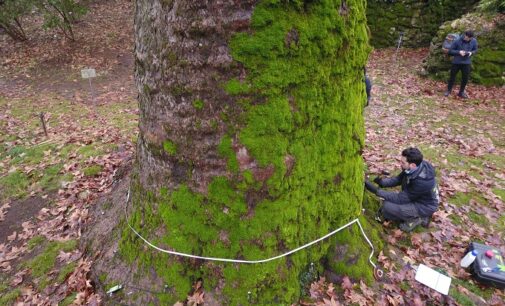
[488, 270]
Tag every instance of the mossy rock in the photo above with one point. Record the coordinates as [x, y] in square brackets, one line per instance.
[488, 65]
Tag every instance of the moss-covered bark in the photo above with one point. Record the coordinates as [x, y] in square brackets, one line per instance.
[269, 158]
[419, 20]
[488, 65]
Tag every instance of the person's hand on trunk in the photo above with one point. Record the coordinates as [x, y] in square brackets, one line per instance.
[378, 181]
[371, 187]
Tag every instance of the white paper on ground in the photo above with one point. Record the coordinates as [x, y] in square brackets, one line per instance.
[433, 279]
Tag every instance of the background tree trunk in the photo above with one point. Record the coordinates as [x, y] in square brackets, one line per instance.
[251, 132]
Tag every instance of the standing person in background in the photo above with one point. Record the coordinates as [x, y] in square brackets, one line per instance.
[462, 49]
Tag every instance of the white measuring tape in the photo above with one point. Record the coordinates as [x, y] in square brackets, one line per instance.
[249, 261]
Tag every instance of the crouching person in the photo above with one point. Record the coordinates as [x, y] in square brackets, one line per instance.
[418, 198]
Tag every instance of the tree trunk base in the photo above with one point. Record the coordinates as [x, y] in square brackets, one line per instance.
[141, 285]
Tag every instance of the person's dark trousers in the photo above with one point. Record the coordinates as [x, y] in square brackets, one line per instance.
[368, 86]
[399, 212]
[465, 73]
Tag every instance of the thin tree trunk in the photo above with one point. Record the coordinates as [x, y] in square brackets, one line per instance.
[14, 32]
[251, 132]
[20, 27]
[66, 25]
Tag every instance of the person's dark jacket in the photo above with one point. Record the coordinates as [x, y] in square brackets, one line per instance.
[368, 85]
[461, 44]
[418, 187]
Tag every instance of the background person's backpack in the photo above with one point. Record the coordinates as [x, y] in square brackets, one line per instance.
[449, 39]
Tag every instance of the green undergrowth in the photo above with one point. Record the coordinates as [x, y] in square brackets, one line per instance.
[198, 104]
[41, 264]
[35, 241]
[14, 185]
[302, 124]
[92, 170]
[29, 156]
[463, 198]
[50, 158]
[50, 179]
[484, 292]
[65, 271]
[94, 149]
[169, 147]
[68, 300]
[8, 297]
[499, 192]
[117, 115]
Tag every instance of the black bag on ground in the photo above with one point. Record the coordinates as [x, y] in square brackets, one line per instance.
[488, 270]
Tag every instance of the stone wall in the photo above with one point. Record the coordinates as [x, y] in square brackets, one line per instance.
[418, 20]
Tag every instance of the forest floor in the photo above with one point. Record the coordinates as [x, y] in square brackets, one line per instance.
[49, 184]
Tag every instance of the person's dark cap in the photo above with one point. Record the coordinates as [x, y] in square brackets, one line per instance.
[469, 33]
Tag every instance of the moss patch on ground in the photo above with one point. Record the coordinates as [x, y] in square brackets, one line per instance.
[92, 170]
[35, 241]
[65, 271]
[50, 179]
[169, 147]
[32, 155]
[68, 300]
[45, 261]
[9, 297]
[14, 185]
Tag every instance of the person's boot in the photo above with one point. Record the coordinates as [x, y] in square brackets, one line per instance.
[425, 221]
[463, 95]
[410, 225]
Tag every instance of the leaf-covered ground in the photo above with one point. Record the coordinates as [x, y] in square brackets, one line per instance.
[465, 141]
[48, 185]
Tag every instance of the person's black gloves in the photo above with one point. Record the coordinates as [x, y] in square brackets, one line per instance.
[378, 181]
[370, 187]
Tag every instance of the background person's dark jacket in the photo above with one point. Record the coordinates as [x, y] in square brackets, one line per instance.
[368, 85]
[461, 44]
[418, 187]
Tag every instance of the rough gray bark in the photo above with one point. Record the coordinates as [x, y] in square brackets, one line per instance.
[181, 56]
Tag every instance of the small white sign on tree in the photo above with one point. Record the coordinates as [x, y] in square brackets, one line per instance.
[89, 74]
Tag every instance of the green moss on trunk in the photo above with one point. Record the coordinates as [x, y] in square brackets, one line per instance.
[304, 130]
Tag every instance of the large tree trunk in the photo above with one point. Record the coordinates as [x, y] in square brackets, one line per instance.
[251, 132]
